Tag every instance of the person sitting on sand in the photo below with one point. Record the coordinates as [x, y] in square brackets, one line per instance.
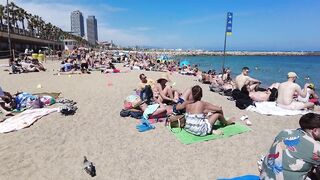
[288, 90]
[201, 116]
[310, 94]
[244, 78]
[164, 93]
[145, 82]
[294, 153]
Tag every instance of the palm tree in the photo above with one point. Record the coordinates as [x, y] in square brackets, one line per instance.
[13, 15]
[21, 13]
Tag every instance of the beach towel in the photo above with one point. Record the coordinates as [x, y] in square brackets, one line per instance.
[231, 130]
[54, 95]
[24, 119]
[270, 108]
[150, 110]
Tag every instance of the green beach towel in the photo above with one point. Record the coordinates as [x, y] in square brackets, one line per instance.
[187, 138]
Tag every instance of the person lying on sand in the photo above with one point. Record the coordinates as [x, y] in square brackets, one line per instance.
[245, 79]
[259, 96]
[201, 116]
[287, 92]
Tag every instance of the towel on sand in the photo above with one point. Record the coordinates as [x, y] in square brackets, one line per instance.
[270, 108]
[187, 138]
[24, 119]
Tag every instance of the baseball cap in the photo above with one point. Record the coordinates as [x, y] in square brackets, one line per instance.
[292, 75]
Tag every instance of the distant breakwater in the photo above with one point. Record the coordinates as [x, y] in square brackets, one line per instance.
[238, 53]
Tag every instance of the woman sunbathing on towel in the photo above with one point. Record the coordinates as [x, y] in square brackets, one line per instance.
[201, 116]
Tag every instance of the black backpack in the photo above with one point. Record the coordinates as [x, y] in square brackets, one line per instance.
[244, 103]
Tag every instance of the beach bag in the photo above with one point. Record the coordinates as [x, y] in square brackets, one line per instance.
[176, 121]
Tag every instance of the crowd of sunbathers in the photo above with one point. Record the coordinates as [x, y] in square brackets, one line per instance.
[25, 64]
[247, 90]
[87, 60]
[157, 99]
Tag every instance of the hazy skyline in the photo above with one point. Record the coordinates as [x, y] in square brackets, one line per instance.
[257, 25]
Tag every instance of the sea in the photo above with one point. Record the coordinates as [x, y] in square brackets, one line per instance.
[268, 69]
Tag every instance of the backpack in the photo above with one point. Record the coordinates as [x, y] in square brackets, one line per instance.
[244, 103]
[136, 114]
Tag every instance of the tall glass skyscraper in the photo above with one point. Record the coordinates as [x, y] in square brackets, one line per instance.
[77, 23]
[92, 29]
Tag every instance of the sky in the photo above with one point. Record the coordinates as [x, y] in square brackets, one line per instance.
[267, 25]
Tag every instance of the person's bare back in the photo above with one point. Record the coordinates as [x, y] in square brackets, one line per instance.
[286, 92]
[241, 80]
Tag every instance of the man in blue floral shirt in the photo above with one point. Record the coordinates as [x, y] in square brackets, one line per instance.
[294, 152]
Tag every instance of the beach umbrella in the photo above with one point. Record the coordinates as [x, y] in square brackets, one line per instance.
[184, 63]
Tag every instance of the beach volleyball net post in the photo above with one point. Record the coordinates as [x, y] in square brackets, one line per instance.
[228, 32]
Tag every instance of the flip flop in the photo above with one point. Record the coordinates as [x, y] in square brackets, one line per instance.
[244, 117]
[145, 128]
[248, 123]
[141, 125]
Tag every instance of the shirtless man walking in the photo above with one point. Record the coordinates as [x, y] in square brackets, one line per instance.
[288, 90]
[243, 79]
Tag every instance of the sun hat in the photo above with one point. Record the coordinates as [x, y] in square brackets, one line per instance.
[292, 75]
[311, 86]
[163, 77]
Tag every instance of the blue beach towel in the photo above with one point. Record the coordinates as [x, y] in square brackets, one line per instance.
[145, 125]
[246, 177]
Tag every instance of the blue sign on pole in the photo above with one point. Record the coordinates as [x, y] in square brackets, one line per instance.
[229, 23]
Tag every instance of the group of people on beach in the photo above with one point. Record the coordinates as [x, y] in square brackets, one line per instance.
[287, 95]
[295, 154]
[159, 99]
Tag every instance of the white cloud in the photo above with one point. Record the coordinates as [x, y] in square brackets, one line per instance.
[59, 15]
[123, 37]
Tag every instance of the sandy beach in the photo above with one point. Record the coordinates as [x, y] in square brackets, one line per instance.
[53, 148]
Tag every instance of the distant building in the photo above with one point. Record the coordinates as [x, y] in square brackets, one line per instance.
[77, 23]
[92, 30]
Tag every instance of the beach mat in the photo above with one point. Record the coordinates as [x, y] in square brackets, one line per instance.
[186, 138]
[270, 108]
